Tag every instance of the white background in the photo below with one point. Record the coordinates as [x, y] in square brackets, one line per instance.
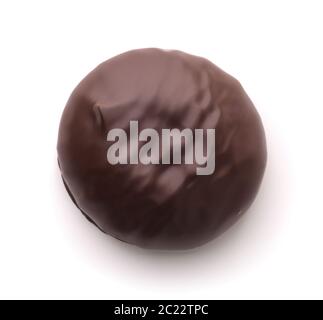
[47, 248]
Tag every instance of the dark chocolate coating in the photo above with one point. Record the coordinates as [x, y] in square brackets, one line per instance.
[161, 206]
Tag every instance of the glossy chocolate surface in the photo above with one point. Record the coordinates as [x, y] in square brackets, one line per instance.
[161, 206]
